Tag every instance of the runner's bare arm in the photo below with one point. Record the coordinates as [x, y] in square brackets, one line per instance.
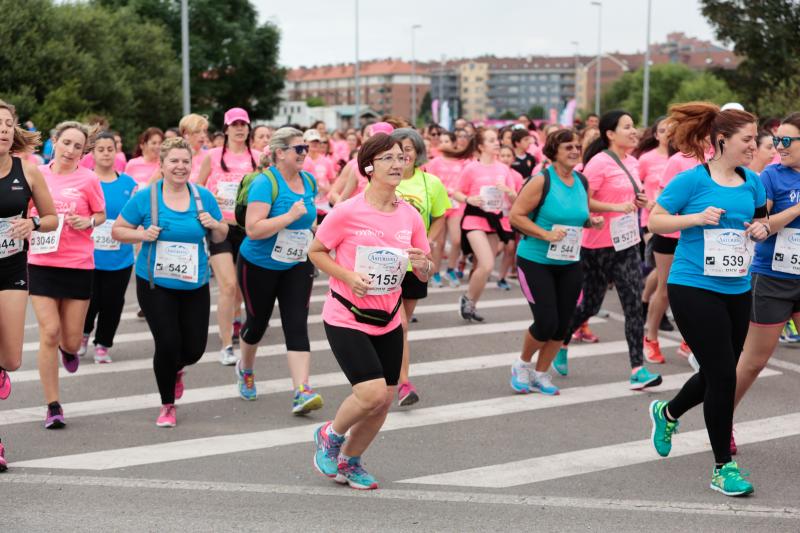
[48, 221]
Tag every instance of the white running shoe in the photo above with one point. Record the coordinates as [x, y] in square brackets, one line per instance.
[227, 357]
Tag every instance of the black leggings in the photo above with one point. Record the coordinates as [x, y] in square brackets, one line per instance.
[552, 292]
[178, 320]
[600, 266]
[108, 299]
[714, 326]
[365, 357]
[292, 288]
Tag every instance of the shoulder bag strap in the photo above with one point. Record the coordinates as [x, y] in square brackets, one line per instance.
[616, 159]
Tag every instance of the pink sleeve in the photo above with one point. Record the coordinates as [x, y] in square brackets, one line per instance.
[330, 231]
[465, 180]
[671, 169]
[419, 237]
[95, 198]
[595, 173]
[516, 180]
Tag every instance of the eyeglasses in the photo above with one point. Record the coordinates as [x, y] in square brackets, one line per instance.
[571, 147]
[388, 159]
[785, 141]
[299, 149]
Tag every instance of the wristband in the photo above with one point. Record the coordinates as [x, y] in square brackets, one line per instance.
[91, 222]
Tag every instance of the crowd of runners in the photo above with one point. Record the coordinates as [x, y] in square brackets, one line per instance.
[698, 213]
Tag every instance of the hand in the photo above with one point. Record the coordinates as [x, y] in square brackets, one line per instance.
[208, 221]
[597, 222]
[555, 235]
[641, 200]
[78, 222]
[298, 210]
[418, 259]
[756, 231]
[150, 234]
[477, 201]
[709, 217]
[21, 228]
[358, 283]
[627, 207]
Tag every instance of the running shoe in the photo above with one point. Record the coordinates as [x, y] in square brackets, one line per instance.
[245, 382]
[237, 329]
[70, 361]
[789, 334]
[734, 448]
[407, 394]
[452, 278]
[665, 324]
[730, 481]
[306, 400]
[652, 352]
[413, 319]
[521, 377]
[503, 284]
[84, 345]
[643, 378]
[560, 362]
[140, 313]
[464, 307]
[3, 463]
[101, 356]
[684, 350]
[460, 272]
[5, 384]
[326, 455]
[55, 417]
[352, 473]
[166, 417]
[543, 383]
[227, 357]
[179, 387]
[661, 434]
[436, 280]
[584, 334]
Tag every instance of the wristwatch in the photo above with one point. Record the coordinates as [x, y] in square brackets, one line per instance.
[36, 223]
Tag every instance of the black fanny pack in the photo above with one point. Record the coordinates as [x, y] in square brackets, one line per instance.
[373, 317]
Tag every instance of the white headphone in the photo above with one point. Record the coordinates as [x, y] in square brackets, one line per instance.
[368, 169]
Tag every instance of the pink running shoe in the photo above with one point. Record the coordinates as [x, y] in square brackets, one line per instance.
[101, 356]
[55, 417]
[684, 350]
[179, 385]
[70, 361]
[5, 384]
[3, 463]
[584, 334]
[407, 394]
[166, 418]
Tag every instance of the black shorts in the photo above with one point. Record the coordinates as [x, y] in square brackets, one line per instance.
[60, 283]
[664, 245]
[365, 357]
[775, 300]
[413, 288]
[14, 273]
[231, 243]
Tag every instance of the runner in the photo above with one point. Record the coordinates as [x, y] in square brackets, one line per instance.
[113, 261]
[426, 193]
[611, 253]
[61, 263]
[222, 170]
[351, 181]
[260, 137]
[176, 218]
[510, 249]
[20, 183]
[144, 164]
[524, 163]
[374, 236]
[766, 153]
[317, 163]
[273, 265]
[194, 128]
[551, 220]
[718, 207]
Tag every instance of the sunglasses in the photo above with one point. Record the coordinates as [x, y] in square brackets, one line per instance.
[785, 141]
[299, 149]
[571, 147]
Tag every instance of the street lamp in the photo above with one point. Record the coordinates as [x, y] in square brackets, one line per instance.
[185, 55]
[577, 45]
[599, 56]
[413, 75]
[356, 119]
[646, 90]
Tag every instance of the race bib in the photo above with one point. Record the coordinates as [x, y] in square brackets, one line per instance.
[625, 232]
[291, 246]
[786, 257]
[102, 237]
[568, 248]
[384, 266]
[492, 198]
[177, 260]
[726, 253]
[9, 245]
[46, 243]
[226, 195]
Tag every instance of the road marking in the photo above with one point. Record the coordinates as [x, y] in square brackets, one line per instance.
[785, 365]
[660, 506]
[260, 440]
[274, 386]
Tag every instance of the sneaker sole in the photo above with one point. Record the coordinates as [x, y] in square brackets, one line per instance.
[102, 361]
[655, 361]
[311, 405]
[653, 429]
[652, 383]
[56, 424]
[3, 467]
[353, 485]
[557, 392]
[165, 424]
[409, 399]
[728, 493]
[521, 390]
[228, 363]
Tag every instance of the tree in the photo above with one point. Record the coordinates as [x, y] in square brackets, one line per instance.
[233, 60]
[508, 115]
[704, 86]
[536, 111]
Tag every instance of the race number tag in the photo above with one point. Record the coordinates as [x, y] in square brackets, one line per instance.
[9, 245]
[102, 237]
[625, 232]
[226, 195]
[46, 243]
[384, 266]
[787, 251]
[568, 248]
[177, 260]
[492, 198]
[291, 246]
[726, 253]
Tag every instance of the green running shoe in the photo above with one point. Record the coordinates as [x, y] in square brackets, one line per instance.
[729, 480]
[662, 431]
[643, 378]
[560, 362]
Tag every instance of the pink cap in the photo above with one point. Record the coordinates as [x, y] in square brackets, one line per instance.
[236, 113]
[381, 127]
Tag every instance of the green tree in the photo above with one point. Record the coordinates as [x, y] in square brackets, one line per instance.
[665, 82]
[536, 111]
[315, 101]
[233, 60]
[704, 86]
[507, 115]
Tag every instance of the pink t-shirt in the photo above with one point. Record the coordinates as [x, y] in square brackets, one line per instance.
[356, 223]
[517, 180]
[362, 179]
[449, 172]
[609, 183]
[238, 166]
[651, 166]
[324, 172]
[119, 162]
[141, 170]
[77, 193]
[476, 175]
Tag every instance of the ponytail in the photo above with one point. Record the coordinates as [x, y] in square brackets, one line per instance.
[695, 125]
[608, 122]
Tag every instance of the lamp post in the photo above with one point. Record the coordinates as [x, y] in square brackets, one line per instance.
[414, 28]
[185, 56]
[357, 118]
[646, 89]
[599, 56]
[577, 45]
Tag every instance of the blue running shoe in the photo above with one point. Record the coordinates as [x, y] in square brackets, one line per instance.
[560, 362]
[245, 382]
[436, 280]
[326, 456]
[452, 278]
[543, 383]
[521, 377]
[353, 474]
[643, 378]
[306, 400]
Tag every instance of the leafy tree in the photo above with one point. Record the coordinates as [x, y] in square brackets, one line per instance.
[507, 115]
[665, 81]
[315, 101]
[536, 111]
[704, 86]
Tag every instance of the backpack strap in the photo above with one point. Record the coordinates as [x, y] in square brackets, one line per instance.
[545, 189]
[310, 180]
[198, 206]
[153, 222]
[274, 182]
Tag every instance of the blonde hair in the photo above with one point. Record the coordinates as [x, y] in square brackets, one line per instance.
[192, 122]
[280, 139]
[24, 141]
[175, 143]
[90, 132]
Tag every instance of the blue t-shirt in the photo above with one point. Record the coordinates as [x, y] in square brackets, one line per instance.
[259, 251]
[692, 192]
[783, 189]
[176, 226]
[117, 193]
[564, 205]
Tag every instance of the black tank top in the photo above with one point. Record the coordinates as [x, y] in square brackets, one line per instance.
[15, 193]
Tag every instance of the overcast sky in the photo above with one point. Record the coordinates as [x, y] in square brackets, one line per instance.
[316, 32]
